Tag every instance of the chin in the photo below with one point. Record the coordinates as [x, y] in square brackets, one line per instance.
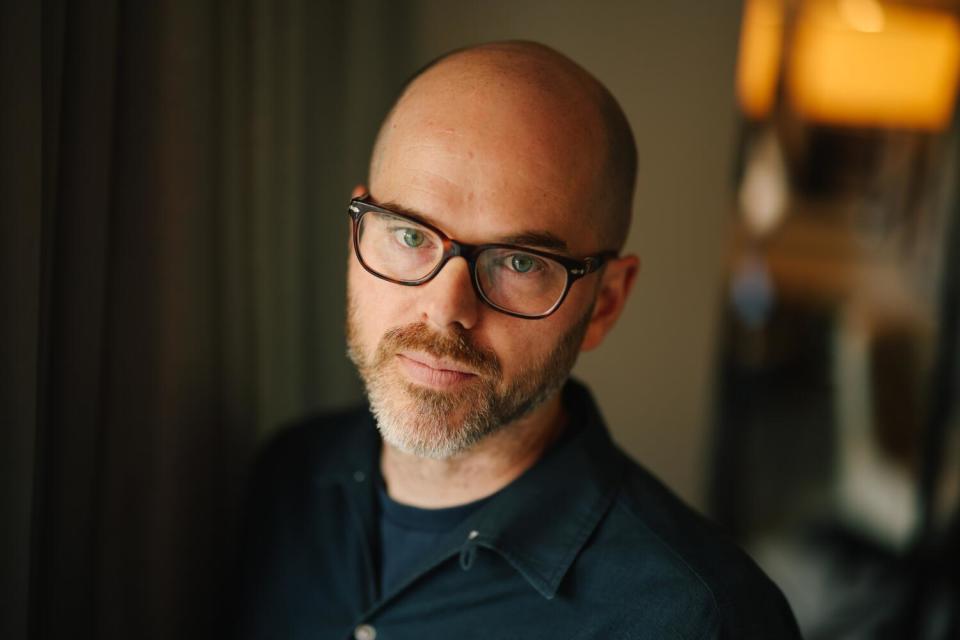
[428, 423]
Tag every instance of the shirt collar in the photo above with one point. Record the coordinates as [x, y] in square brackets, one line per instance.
[540, 522]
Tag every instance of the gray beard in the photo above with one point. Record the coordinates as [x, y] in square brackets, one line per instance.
[438, 424]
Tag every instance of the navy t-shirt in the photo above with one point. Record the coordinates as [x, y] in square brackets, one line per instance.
[408, 534]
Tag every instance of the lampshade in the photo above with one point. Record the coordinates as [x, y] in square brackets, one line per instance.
[867, 63]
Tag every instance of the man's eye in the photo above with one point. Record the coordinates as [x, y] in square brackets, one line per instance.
[523, 263]
[410, 237]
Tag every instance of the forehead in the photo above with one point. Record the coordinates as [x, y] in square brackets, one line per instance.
[483, 162]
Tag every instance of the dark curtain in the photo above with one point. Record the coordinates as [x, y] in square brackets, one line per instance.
[179, 293]
[20, 196]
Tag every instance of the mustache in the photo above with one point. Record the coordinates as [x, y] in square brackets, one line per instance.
[459, 347]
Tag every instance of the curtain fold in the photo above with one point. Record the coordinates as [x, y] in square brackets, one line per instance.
[197, 160]
[21, 214]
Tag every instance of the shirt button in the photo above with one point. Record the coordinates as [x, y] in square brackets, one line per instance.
[359, 476]
[364, 632]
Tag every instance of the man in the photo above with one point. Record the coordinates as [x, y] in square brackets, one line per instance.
[480, 496]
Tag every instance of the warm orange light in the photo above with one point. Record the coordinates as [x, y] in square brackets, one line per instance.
[758, 65]
[863, 62]
[867, 16]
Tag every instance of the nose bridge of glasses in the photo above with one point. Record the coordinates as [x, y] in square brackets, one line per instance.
[450, 295]
[469, 253]
[451, 248]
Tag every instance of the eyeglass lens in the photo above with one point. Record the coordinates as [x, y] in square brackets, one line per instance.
[510, 278]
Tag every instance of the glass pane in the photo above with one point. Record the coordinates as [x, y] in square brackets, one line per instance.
[398, 247]
[521, 282]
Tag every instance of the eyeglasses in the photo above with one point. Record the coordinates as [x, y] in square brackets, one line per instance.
[518, 281]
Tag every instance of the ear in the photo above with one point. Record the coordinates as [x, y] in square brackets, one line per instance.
[615, 285]
[358, 191]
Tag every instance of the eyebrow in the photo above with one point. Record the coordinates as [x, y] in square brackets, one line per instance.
[532, 238]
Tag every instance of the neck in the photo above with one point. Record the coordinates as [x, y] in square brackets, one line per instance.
[490, 465]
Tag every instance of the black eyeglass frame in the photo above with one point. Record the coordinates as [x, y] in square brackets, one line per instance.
[575, 268]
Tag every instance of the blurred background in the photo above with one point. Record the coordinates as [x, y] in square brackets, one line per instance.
[173, 189]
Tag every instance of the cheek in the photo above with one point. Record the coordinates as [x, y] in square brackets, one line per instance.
[376, 305]
[521, 344]
[367, 311]
[533, 342]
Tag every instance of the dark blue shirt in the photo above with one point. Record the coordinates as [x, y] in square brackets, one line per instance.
[585, 544]
[408, 534]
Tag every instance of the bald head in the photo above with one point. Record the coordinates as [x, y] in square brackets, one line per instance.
[524, 103]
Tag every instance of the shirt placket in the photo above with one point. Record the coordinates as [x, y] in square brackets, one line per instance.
[462, 544]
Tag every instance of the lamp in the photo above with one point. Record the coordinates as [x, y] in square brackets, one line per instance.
[851, 62]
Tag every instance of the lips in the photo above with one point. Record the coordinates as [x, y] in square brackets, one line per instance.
[434, 372]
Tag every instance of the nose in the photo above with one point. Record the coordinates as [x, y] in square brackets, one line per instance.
[449, 298]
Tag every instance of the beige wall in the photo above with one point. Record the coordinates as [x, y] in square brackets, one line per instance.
[671, 66]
